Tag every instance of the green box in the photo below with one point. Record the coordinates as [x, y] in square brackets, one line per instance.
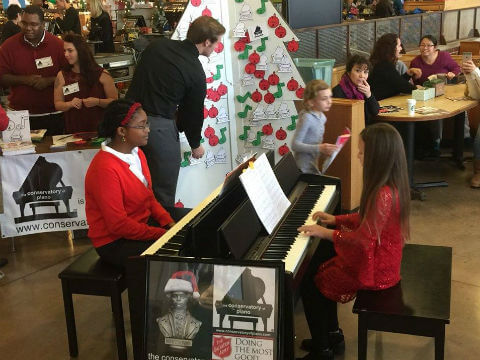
[423, 94]
[320, 69]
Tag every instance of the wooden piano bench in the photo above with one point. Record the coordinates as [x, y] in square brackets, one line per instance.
[33, 206]
[418, 305]
[88, 275]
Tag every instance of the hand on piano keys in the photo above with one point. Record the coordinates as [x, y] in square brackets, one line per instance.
[324, 218]
[317, 230]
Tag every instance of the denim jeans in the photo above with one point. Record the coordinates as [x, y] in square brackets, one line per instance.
[476, 145]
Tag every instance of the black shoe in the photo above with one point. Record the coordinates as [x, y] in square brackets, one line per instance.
[3, 262]
[336, 341]
[325, 354]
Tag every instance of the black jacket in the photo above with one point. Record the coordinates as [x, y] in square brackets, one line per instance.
[385, 81]
[70, 22]
[101, 29]
[370, 105]
[9, 29]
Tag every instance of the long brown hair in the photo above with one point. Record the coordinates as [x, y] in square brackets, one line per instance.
[88, 66]
[384, 163]
[384, 49]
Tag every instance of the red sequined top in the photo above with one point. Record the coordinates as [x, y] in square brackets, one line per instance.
[368, 253]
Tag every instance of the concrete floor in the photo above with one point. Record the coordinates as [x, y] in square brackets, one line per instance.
[32, 323]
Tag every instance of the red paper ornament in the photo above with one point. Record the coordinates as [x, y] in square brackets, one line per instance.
[254, 58]
[269, 98]
[281, 134]
[259, 74]
[213, 112]
[196, 2]
[213, 140]
[273, 79]
[264, 84]
[267, 129]
[219, 48]
[256, 96]
[205, 112]
[209, 79]
[246, 38]
[280, 32]
[179, 204]
[209, 132]
[239, 45]
[206, 12]
[209, 93]
[292, 45]
[273, 21]
[300, 92]
[222, 89]
[283, 150]
[250, 68]
[213, 95]
[292, 84]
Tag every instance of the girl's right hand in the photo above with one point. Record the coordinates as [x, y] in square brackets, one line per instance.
[327, 149]
[326, 219]
[76, 103]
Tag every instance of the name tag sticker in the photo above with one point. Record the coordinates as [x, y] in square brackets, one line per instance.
[70, 89]
[44, 62]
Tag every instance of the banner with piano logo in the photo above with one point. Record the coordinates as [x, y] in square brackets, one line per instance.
[199, 310]
[45, 192]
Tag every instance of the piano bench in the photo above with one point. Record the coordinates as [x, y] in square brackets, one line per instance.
[88, 275]
[418, 305]
[33, 206]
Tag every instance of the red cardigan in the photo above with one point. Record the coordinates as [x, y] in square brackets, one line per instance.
[364, 259]
[118, 204]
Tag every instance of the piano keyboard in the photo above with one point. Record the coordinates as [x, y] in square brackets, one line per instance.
[171, 239]
[290, 246]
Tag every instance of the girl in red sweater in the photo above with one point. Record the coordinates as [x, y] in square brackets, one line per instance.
[123, 215]
[365, 249]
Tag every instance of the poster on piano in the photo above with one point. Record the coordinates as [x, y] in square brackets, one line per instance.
[201, 310]
[44, 192]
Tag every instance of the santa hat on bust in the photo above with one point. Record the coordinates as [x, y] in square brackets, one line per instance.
[183, 281]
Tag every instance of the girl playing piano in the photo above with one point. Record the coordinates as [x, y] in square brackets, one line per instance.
[307, 143]
[367, 246]
[123, 215]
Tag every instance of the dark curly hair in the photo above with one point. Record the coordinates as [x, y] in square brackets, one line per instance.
[384, 49]
[115, 112]
[356, 60]
[88, 66]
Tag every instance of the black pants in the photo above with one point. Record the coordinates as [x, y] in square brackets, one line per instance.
[321, 313]
[54, 123]
[118, 252]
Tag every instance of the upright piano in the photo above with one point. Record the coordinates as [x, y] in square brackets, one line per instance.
[242, 236]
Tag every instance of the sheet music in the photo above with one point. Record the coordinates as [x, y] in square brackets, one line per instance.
[341, 141]
[265, 193]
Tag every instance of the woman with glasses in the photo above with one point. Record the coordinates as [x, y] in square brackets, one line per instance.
[123, 215]
[433, 61]
[82, 88]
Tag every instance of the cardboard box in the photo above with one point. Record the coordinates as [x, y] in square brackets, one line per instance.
[423, 95]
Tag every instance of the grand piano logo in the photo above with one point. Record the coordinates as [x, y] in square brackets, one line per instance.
[244, 303]
[40, 190]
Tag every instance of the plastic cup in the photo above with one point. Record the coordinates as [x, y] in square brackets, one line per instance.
[411, 106]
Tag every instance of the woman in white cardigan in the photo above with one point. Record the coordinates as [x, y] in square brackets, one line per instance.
[472, 74]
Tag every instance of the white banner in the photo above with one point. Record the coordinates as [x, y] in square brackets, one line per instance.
[44, 192]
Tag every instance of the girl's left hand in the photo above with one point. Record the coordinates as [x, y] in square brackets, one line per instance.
[450, 75]
[91, 102]
[317, 230]
[364, 88]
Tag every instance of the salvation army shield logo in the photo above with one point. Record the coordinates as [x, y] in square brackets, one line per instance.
[43, 188]
[222, 346]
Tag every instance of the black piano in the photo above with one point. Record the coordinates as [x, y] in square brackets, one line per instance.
[241, 235]
[40, 189]
[247, 289]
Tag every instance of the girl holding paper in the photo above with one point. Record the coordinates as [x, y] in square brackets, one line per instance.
[307, 143]
[365, 249]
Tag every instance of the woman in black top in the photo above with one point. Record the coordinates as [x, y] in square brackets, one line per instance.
[100, 27]
[385, 81]
[354, 85]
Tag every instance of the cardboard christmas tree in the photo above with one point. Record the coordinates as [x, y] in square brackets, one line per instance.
[251, 85]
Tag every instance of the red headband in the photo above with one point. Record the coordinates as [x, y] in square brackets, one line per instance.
[130, 113]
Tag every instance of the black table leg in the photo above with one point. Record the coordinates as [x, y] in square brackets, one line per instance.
[409, 140]
[459, 135]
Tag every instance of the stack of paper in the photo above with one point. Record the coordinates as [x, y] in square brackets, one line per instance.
[37, 135]
[17, 148]
[265, 193]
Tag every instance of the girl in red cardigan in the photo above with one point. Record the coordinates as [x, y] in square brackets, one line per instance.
[367, 246]
[123, 215]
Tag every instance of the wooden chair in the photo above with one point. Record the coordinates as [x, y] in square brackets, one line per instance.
[469, 46]
[88, 275]
[418, 305]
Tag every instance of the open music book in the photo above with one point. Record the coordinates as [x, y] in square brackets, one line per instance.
[264, 192]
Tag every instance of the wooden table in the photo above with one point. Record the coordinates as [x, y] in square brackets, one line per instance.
[454, 109]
